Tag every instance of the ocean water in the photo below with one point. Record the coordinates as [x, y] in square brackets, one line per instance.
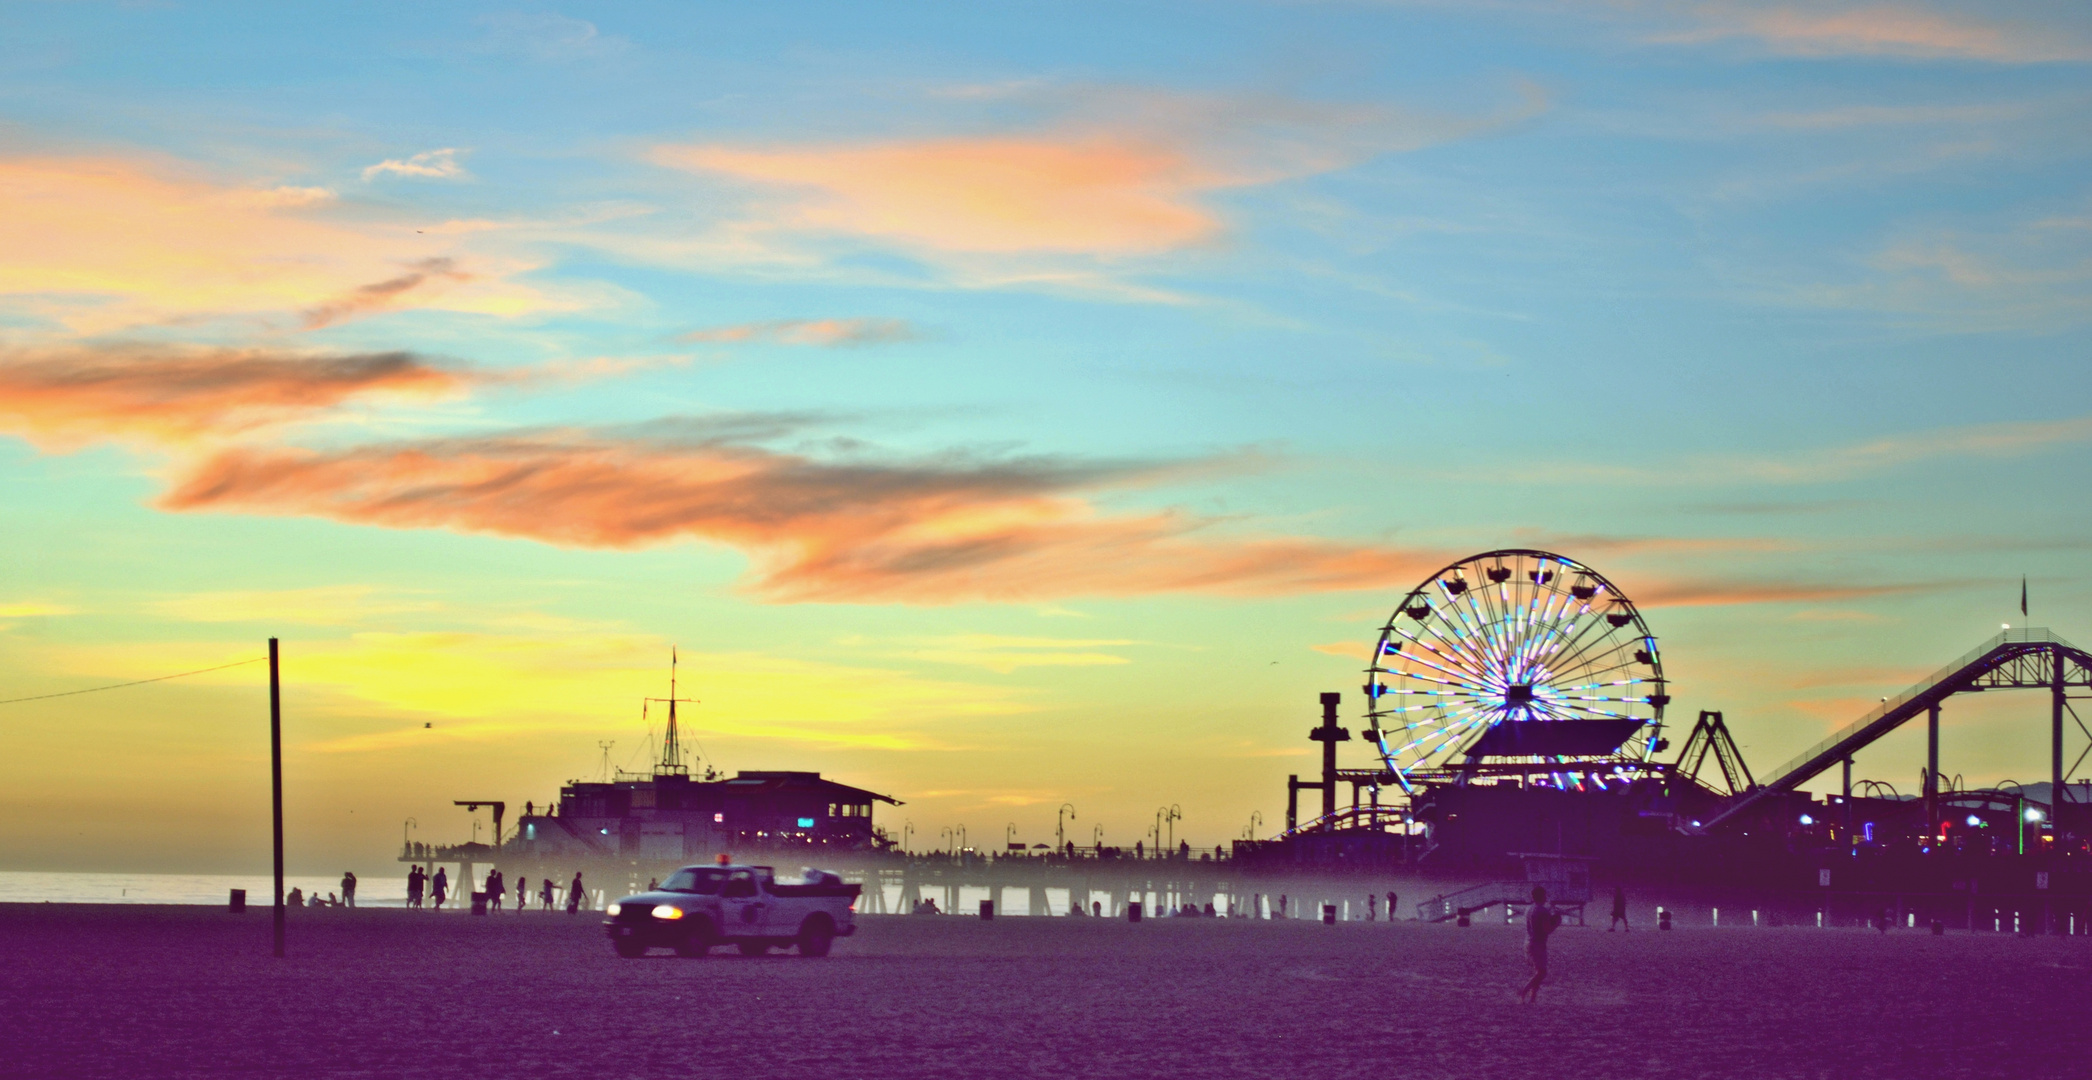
[29, 887]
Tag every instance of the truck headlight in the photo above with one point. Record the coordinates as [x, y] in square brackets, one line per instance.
[613, 909]
[667, 911]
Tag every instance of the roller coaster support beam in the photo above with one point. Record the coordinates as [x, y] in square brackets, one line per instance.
[1932, 771]
[1848, 798]
[2056, 790]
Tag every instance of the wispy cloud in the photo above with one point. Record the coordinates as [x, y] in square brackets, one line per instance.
[546, 36]
[997, 652]
[429, 165]
[377, 690]
[174, 395]
[324, 605]
[1905, 30]
[1714, 593]
[1848, 117]
[382, 295]
[1830, 464]
[938, 531]
[110, 244]
[1119, 175]
[826, 333]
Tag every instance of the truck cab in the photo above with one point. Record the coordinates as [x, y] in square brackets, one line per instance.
[699, 907]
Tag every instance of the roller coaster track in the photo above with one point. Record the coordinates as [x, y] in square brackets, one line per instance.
[2032, 659]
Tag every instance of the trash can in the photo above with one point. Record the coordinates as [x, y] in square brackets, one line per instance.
[987, 910]
[479, 903]
[238, 903]
[1329, 914]
[1133, 911]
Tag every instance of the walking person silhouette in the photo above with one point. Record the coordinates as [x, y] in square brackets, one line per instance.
[1619, 910]
[1540, 921]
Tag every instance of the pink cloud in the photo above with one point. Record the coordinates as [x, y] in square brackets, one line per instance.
[62, 398]
[937, 532]
[826, 333]
[1879, 29]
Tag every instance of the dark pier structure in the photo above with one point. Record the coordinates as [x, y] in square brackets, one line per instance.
[1513, 734]
[1515, 708]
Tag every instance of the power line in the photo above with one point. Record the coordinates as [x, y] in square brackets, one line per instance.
[140, 682]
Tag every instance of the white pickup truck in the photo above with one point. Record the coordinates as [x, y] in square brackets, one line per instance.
[702, 906]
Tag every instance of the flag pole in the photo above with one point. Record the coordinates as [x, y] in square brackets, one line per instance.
[276, 782]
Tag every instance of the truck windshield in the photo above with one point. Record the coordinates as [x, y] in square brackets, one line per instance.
[699, 881]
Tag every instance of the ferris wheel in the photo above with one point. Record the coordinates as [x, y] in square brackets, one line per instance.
[1517, 656]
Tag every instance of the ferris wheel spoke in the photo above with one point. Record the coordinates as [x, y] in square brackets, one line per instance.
[1514, 635]
[1451, 655]
[1471, 680]
[1612, 660]
[1457, 649]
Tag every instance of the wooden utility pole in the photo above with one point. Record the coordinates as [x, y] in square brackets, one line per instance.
[276, 782]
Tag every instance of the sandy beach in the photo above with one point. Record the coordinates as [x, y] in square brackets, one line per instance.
[187, 991]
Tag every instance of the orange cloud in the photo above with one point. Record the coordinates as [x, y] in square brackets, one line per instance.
[939, 532]
[827, 333]
[106, 243]
[381, 295]
[1122, 174]
[63, 398]
[1718, 593]
[1875, 30]
[1095, 195]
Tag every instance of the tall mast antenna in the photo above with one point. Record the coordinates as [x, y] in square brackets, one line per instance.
[671, 746]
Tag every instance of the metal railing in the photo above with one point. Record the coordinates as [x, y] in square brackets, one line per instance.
[1511, 894]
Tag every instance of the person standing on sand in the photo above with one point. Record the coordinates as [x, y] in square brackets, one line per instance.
[415, 881]
[1619, 910]
[441, 889]
[1371, 901]
[1540, 921]
[348, 887]
[1391, 905]
[545, 896]
[495, 889]
[574, 894]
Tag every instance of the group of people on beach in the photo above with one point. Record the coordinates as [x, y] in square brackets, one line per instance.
[436, 888]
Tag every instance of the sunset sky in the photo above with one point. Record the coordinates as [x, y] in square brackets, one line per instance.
[998, 406]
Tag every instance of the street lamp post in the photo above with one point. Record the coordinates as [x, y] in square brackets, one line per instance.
[1061, 817]
[1176, 814]
[407, 846]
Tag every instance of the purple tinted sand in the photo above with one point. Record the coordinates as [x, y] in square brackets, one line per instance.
[131, 991]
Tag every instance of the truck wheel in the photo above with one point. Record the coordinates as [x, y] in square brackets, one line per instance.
[755, 948]
[629, 948]
[698, 942]
[816, 936]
